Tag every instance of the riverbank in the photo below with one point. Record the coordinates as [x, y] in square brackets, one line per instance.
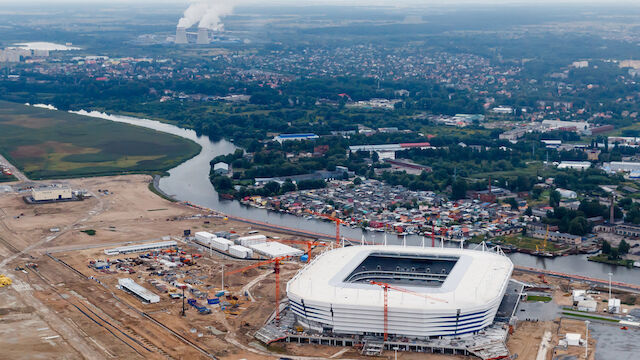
[603, 258]
[189, 182]
[154, 187]
[51, 144]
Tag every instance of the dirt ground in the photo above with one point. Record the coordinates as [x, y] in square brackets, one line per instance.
[52, 311]
[81, 317]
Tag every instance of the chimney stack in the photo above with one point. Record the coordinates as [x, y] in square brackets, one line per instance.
[611, 214]
[181, 36]
[203, 36]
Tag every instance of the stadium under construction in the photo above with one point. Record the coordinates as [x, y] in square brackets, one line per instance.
[443, 300]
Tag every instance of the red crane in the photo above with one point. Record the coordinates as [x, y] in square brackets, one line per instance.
[386, 288]
[433, 236]
[310, 245]
[276, 267]
[332, 218]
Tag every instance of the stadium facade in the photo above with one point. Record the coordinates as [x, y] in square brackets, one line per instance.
[438, 291]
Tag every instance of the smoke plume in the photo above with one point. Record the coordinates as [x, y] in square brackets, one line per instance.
[207, 13]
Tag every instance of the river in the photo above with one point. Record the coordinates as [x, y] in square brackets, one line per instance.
[189, 181]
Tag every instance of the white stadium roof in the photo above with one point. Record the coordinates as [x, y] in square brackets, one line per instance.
[334, 289]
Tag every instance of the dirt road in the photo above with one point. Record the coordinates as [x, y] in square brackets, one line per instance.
[17, 173]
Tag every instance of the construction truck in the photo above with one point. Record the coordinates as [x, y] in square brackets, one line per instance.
[5, 281]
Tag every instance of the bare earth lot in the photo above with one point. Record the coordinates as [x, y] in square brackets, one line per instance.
[70, 311]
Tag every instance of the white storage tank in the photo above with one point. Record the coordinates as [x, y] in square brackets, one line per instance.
[240, 251]
[221, 244]
[251, 240]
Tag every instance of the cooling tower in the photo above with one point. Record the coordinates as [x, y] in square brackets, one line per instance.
[203, 36]
[181, 36]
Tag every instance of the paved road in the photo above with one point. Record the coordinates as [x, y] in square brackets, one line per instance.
[17, 173]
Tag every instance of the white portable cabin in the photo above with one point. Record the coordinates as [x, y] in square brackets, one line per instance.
[221, 244]
[204, 236]
[240, 251]
[251, 240]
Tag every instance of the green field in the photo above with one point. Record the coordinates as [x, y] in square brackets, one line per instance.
[538, 298]
[55, 144]
[526, 242]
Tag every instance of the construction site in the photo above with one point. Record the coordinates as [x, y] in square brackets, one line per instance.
[128, 274]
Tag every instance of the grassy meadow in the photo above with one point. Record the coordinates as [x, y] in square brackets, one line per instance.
[56, 144]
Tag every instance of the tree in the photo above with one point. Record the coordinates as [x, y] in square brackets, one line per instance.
[459, 189]
[579, 226]
[272, 188]
[288, 186]
[536, 192]
[554, 198]
[222, 183]
[606, 247]
[357, 181]
[623, 248]
[513, 203]
[528, 212]
[614, 254]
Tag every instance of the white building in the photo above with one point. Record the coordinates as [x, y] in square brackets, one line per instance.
[221, 168]
[614, 306]
[503, 110]
[143, 294]
[579, 126]
[621, 166]
[577, 165]
[573, 339]
[295, 137]
[579, 295]
[141, 248]
[567, 194]
[51, 193]
[275, 249]
[588, 305]
[449, 291]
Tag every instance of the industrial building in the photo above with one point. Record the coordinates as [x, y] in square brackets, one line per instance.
[51, 193]
[621, 166]
[143, 294]
[577, 165]
[288, 137]
[141, 248]
[445, 291]
[275, 249]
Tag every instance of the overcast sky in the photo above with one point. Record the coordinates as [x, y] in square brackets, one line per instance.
[324, 2]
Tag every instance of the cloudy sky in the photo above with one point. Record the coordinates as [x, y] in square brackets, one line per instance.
[324, 2]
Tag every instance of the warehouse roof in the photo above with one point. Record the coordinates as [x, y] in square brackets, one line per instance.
[275, 249]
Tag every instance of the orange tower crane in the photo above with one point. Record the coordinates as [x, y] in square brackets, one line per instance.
[276, 267]
[386, 288]
[332, 218]
[310, 245]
